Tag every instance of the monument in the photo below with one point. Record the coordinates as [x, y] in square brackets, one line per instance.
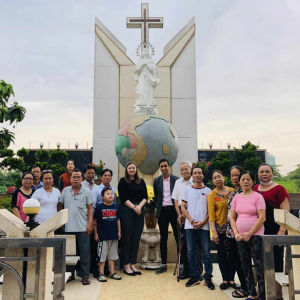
[160, 96]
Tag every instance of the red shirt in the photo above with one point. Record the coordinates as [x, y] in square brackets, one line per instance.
[275, 196]
[66, 179]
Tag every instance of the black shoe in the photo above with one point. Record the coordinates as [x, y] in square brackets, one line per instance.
[137, 272]
[129, 274]
[201, 278]
[161, 269]
[183, 276]
[192, 282]
[209, 284]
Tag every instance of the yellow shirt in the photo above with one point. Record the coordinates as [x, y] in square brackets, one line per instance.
[218, 209]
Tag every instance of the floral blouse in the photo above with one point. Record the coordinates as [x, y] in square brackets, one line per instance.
[229, 231]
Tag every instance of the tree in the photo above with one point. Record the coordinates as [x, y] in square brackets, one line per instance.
[8, 114]
[223, 162]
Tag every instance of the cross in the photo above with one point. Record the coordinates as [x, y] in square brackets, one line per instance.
[145, 23]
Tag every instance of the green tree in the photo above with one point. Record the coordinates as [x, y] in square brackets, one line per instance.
[223, 162]
[13, 113]
[8, 179]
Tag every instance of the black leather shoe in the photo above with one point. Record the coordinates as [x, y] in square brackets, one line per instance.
[184, 276]
[161, 269]
[137, 272]
[129, 274]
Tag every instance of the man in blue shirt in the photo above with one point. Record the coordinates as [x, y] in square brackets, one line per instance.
[37, 184]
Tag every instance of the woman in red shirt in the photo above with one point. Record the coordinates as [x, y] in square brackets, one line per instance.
[275, 196]
[65, 179]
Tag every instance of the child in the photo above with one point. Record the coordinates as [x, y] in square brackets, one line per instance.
[108, 233]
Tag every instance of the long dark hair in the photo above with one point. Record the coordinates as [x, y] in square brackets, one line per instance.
[137, 178]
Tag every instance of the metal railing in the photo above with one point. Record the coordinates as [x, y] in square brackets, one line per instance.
[59, 248]
[268, 242]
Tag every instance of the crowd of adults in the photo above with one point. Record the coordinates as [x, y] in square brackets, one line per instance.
[234, 218]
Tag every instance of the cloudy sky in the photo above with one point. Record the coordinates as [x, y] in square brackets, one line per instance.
[248, 67]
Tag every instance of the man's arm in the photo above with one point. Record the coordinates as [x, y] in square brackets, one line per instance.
[89, 227]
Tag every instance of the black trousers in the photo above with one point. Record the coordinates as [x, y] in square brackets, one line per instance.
[132, 226]
[168, 215]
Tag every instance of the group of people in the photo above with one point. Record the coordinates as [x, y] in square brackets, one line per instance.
[235, 219]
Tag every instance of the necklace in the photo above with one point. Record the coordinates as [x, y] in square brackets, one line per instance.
[266, 183]
[198, 194]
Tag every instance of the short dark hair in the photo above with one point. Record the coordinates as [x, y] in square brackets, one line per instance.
[76, 170]
[264, 164]
[106, 170]
[249, 173]
[35, 166]
[104, 190]
[241, 169]
[196, 167]
[216, 171]
[46, 172]
[88, 167]
[163, 160]
[26, 173]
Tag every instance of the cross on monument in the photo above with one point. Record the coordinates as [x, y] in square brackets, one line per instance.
[145, 23]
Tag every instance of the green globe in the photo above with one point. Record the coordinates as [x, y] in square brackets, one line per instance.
[145, 139]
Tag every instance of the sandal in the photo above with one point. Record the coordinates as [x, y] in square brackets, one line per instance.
[239, 293]
[224, 286]
[115, 276]
[102, 278]
[85, 281]
[234, 285]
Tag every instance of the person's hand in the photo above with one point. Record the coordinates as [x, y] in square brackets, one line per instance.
[119, 235]
[137, 210]
[96, 237]
[280, 232]
[215, 237]
[238, 237]
[197, 225]
[179, 220]
[246, 236]
[89, 228]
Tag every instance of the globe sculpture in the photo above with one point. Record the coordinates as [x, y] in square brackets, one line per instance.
[145, 139]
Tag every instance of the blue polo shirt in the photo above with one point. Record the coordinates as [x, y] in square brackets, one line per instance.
[38, 187]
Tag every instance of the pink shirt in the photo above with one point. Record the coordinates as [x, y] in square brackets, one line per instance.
[167, 192]
[246, 208]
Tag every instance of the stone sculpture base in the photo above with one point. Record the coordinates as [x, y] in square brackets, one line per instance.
[151, 251]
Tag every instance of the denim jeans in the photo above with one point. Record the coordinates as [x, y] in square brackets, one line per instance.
[191, 239]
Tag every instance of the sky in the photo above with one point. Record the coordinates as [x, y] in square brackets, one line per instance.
[248, 68]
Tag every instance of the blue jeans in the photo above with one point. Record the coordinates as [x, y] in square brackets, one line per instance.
[191, 239]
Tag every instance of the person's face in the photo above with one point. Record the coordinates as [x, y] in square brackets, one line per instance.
[197, 175]
[89, 175]
[109, 196]
[76, 179]
[234, 176]
[246, 182]
[48, 179]
[218, 179]
[164, 168]
[131, 170]
[185, 171]
[27, 181]
[37, 173]
[106, 178]
[265, 173]
[70, 166]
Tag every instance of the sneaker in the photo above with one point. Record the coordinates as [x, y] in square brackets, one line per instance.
[161, 269]
[102, 278]
[201, 278]
[209, 284]
[192, 282]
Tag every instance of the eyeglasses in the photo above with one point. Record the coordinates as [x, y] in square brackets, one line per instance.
[163, 166]
[46, 171]
[28, 178]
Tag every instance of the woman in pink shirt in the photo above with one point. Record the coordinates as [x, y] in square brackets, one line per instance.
[248, 228]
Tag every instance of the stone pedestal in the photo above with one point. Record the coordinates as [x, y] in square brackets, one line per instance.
[151, 251]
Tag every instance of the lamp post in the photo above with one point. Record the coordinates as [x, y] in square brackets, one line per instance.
[41, 145]
[210, 145]
[31, 207]
[76, 145]
[228, 145]
[58, 145]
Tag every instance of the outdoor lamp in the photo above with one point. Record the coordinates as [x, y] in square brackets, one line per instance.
[41, 145]
[58, 145]
[228, 145]
[210, 145]
[31, 207]
[76, 145]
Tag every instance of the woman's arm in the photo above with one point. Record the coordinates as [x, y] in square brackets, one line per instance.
[286, 206]
[122, 194]
[212, 217]
[232, 219]
[16, 212]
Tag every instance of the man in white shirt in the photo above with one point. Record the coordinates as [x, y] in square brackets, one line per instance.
[89, 176]
[195, 210]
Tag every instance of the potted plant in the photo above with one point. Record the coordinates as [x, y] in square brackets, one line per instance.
[150, 209]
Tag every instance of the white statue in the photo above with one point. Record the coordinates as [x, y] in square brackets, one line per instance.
[146, 76]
